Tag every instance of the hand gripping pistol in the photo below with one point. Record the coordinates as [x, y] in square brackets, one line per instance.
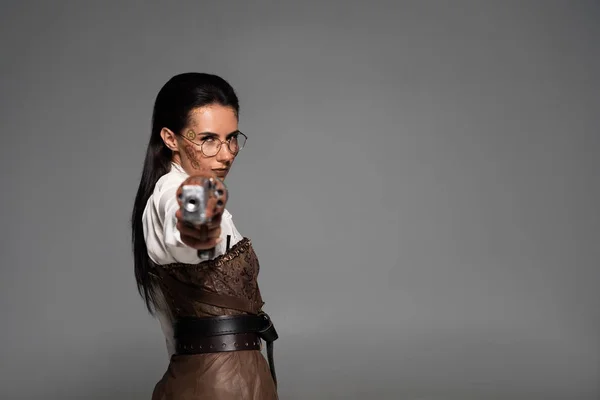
[202, 199]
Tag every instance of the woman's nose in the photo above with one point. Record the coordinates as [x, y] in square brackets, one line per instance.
[225, 154]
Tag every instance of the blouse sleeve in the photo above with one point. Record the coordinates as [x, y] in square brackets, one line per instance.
[162, 236]
[163, 239]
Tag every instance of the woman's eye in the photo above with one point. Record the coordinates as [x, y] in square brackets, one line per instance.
[208, 139]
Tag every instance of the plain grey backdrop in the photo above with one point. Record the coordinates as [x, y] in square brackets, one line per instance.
[420, 183]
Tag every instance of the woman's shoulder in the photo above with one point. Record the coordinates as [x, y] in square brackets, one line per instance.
[175, 176]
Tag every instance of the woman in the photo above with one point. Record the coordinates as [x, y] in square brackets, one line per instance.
[210, 310]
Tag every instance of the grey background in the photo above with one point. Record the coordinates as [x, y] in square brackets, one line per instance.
[420, 183]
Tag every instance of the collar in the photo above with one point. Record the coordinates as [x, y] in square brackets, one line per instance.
[178, 168]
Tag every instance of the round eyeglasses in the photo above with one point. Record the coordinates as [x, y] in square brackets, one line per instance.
[211, 145]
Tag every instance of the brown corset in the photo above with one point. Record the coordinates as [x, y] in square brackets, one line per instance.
[226, 285]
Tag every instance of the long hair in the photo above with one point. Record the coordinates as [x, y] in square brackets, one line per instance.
[181, 94]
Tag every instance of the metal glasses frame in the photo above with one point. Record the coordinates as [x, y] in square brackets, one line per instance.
[220, 144]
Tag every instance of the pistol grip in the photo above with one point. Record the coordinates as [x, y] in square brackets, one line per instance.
[205, 255]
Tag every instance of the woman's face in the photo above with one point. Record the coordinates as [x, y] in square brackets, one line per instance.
[208, 141]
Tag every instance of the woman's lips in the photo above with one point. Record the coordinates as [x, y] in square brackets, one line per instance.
[220, 172]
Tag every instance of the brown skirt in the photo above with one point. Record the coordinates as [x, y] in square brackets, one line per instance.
[231, 375]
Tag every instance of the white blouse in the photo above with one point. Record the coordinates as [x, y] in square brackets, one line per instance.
[160, 231]
[163, 240]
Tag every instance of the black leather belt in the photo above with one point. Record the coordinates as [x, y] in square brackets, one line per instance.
[214, 344]
[225, 333]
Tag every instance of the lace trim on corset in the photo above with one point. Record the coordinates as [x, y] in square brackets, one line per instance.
[240, 247]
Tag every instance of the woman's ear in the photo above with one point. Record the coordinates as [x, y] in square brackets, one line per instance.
[169, 139]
